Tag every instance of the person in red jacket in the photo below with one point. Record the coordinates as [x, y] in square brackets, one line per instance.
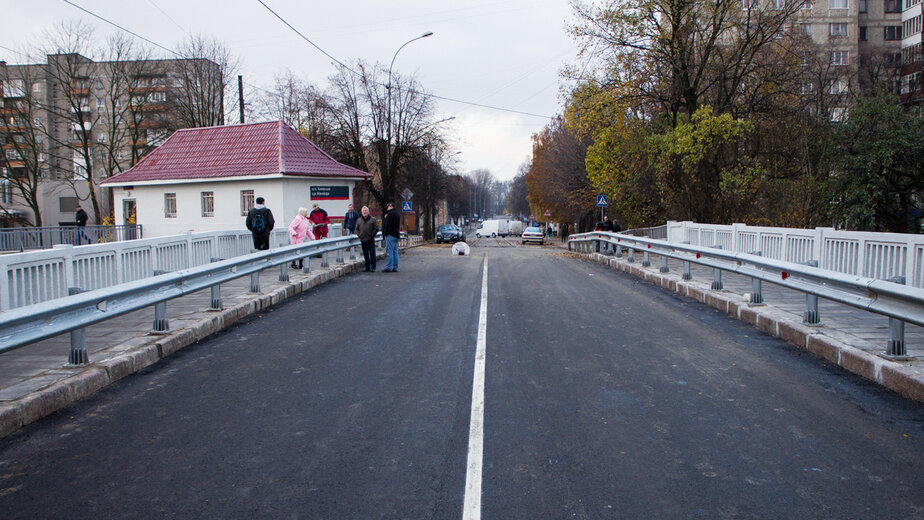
[320, 220]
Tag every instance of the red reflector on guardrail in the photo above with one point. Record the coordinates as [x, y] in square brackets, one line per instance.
[698, 255]
[784, 274]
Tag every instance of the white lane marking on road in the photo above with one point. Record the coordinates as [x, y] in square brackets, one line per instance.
[472, 507]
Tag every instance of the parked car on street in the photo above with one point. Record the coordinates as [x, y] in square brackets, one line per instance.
[449, 233]
[533, 234]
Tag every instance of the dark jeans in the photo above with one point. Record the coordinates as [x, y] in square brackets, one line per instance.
[369, 254]
[261, 242]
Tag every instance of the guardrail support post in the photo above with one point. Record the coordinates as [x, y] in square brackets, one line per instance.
[597, 245]
[646, 260]
[717, 275]
[284, 272]
[631, 258]
[757, 294]
[664, 268]
[215, 299]
[255, 282]
[78, 353]
[161, 325]
[811, 316]
[352, 252]
[896, 346]
[340, 256]
[811, 303]
[687, 270]
[324, 261]
[306, 268]
[618, 251]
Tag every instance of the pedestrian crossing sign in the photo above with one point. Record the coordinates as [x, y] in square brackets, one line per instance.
[601, 201]
[406, 206]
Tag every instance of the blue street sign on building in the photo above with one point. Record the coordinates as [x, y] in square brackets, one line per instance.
[406, 206]
[601, 201]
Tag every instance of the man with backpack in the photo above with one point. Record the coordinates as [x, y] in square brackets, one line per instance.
[260, 222]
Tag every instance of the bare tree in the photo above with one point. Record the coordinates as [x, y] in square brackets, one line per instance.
[204, 73]
[68, 74]
[23, 139]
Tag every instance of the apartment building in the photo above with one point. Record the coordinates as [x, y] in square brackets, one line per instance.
[71, 122]
[859, 41]
[911, 51]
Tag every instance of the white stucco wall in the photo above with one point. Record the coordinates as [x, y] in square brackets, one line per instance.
[283, 196]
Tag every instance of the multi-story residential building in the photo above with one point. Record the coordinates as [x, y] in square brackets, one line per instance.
[860, 42]
[911, 51]
[71, 122]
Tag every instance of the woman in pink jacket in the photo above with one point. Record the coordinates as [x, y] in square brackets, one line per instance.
[298, 230]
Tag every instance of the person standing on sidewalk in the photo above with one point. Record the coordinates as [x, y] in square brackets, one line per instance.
[80, 216]
[299, 229]
[391, 230]
[320, 219]
[349, 220]
[366, 228]
[260, 222]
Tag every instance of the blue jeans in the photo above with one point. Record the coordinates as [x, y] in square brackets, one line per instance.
[391, 253]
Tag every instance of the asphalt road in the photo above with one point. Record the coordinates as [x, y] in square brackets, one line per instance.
[604, 398]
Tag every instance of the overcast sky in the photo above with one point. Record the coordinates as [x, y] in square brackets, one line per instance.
[502, 53]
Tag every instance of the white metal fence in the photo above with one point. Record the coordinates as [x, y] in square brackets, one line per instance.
[38, 276]
[871, 255]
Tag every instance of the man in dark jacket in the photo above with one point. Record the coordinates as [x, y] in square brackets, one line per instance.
[391, 230]
[80, 216]
[260, 222]
[607, 225]
[349, 220]
[366, 228]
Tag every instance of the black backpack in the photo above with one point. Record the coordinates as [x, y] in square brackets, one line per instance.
[258, 224]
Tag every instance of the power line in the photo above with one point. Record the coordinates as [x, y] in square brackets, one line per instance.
[121, 28]
[415, 91]
[283, 20]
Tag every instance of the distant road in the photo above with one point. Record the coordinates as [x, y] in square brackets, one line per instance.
[604, 397]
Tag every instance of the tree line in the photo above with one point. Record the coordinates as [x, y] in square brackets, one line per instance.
[723, 112]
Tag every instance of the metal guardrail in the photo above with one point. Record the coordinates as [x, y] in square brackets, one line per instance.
[888, 298]
[30, 238]
[21, 326]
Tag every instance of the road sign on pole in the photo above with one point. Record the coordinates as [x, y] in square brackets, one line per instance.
[602, 202]
[406, 206]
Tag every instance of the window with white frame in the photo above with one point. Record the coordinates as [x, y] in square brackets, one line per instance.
[807, 4]
[837, 4]
[170, 205]
[806, 29]
[807, 87]
[838, 86]
[246, 201]
[839, 58]
[208, 203]
[861, 6]
[837, 29]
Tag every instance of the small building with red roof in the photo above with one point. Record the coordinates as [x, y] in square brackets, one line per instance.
[206, 179]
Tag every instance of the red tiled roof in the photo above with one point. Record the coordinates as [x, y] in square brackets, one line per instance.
[234, 151]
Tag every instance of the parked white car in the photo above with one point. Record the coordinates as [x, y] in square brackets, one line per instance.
[533, 234]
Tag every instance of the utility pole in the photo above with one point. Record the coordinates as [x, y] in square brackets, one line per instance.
[240, 95]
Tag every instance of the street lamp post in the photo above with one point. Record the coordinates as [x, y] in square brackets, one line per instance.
[388, 87]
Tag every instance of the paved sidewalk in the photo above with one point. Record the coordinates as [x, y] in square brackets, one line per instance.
[849, 337]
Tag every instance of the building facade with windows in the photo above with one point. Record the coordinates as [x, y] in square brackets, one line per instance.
[860, 42]
[207, 179]
[71, 122]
